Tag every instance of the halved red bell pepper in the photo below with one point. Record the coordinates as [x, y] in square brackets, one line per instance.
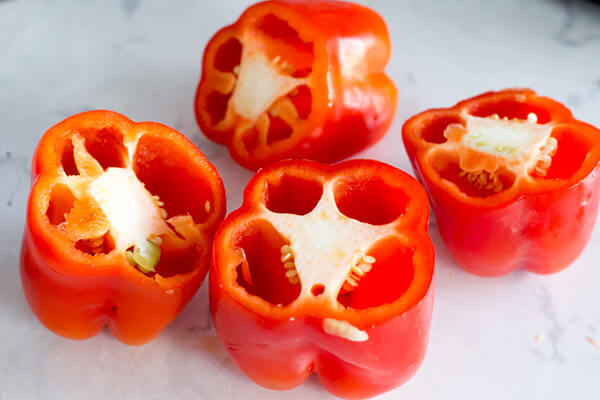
[119, 226]
[326, 269]
[513, 179]
[297, 79]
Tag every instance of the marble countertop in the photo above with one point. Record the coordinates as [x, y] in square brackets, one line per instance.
[142, 59]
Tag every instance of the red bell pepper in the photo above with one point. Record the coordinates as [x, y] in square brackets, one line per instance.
[326, 269]
[297, 79]
[513, 180]
[119, 226]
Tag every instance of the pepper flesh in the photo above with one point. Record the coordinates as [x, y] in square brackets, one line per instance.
[297, 79]
[281, 263]
[525, 197]
[102, 186]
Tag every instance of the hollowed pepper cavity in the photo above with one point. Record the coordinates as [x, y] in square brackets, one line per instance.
[320, 268]
[513, 179]
[99, 246]
[285, 81]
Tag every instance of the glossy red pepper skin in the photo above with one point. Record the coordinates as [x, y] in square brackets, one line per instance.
[279, 347]
[347, 104]
[75, 294]
[541, 226]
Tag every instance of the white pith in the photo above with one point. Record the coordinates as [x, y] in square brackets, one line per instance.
[326, 245]
[344, 330]
[260, 83]
[133, 213]
[129, 207]
[517, 142]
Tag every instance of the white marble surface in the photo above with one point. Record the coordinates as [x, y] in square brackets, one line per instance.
[143, 59]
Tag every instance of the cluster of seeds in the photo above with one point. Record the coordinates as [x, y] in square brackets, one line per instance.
[283, 65]
[358, 271]
[157, 240]
[491, 181]
[545, 159]
[531, 118]
[161, 205]
[96, 245]
[287, 258]
[483, 180]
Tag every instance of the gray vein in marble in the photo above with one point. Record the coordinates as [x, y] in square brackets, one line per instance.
[129, 7]
[556, 331]
[573, 32]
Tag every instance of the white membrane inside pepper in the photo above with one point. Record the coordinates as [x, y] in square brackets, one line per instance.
[260, 83]
[517, 141]
[344, 330]
[132, 211]
[326, 244]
